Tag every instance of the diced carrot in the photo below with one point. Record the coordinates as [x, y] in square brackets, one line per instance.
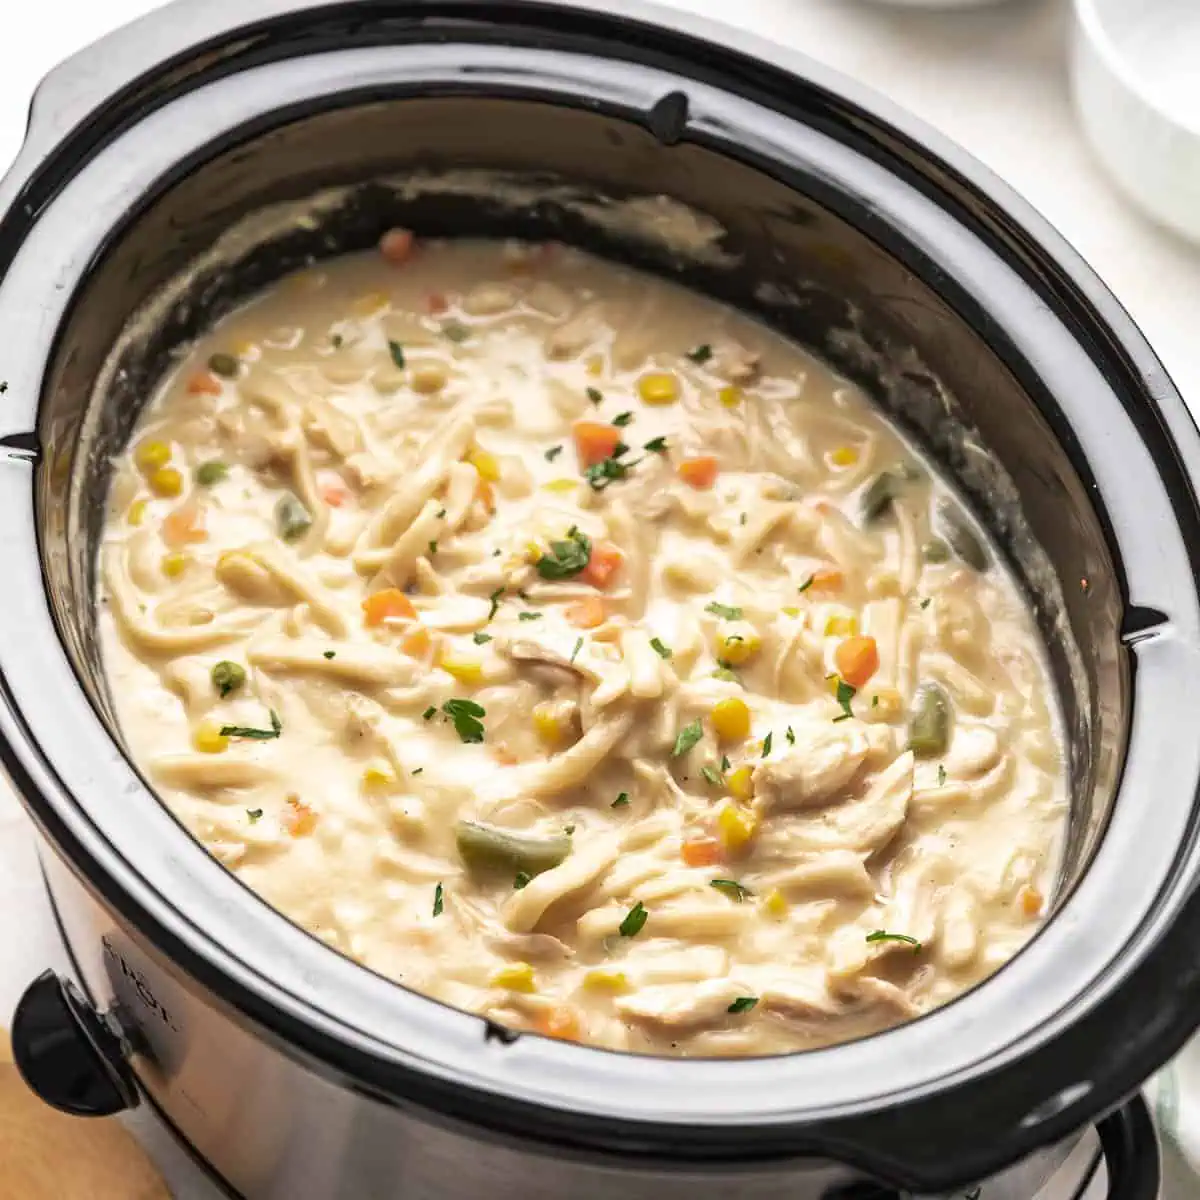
[588, 613]
[437, 303]
[603, 564]
[560, 1022]
[334, 493]
[699, 472]
[416, 643]
[828, 579]
[204, 383]
[857, 659]
[299, 819]
[504, 756]
[595, 442]
[390, 602]
[1031, 901]
[701, 852]
[396, 246]
[184, 525]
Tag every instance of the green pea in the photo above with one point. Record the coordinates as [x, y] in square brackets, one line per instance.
[935, 551]
[211, 472]
[228, 677]
[292, 519]
[929, 721]
[224, 365]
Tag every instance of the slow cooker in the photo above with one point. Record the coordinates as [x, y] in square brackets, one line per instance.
[188, 160]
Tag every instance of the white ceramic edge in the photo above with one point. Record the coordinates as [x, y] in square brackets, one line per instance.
[1152, 153]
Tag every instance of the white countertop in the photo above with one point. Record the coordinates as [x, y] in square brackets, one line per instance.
[993, 79]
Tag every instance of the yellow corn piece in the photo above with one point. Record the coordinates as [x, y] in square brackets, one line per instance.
[731, 719]
[606, 979]
[547, 726]
[658, 387]
[465, 670]
[376, 779]
[137, 511]
[369, 304]
[595, 365]
[533, 551]
[151, 454]
[560, 485]
[740, 782]
[735, 826]
[831, 683]
[730, 397]
[738, 648]
[775, 902]
[245, 349]
[516, 977]
[841, 626]
[485, 464]
[208, 738]
[174, 564]
[844, 456]
[166, 481]
[883, 704]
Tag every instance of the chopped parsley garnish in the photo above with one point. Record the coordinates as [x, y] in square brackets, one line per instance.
[329, 654]
[621, 800]
[441, 513]
[465, 714]
[806, 584]
[429, 713]
[700, 354]
[576, 650]
[941, 774]
[568, 830]
[521, 879]
[609, 470]
[845, 693]
[552, 453]
[657, 646]
[925, 603]
[248, 731]
[566, 558]
[622, 419]
[711, 775]
[731, 888]
[495, 599]
[742, 1004]
[417, 770]
[528, 615]
[742, 518]
[881, 935]
[688, 736]
[397, 352]
[438, 895]
[481, 639]
[656, 445]
[595, 395]
[456, 331]
[725, 763]
[635, 919]
[729, 611]
[254, 814]
[432, 548]
[228, 677]
[726, 673]
[874, 701]
[211, 472]
[790, 734]
[767, 744]
[336, 341]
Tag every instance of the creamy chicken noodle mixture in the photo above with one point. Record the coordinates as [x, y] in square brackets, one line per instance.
[580, 653]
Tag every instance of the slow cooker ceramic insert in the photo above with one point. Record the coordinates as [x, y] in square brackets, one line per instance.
[183, 163]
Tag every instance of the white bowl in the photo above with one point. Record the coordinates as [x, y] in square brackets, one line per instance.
[1136, 79]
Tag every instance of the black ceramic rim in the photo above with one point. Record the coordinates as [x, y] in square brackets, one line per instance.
[991, 1110]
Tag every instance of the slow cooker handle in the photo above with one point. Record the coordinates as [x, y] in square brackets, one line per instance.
[67, 1054]
[1131, 1155]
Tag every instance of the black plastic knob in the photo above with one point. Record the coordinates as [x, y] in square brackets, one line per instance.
[67, 1054]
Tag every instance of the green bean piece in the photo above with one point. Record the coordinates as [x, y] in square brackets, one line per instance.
[292, 519]
[962, 538]
[211, 472]
[929, 722]
[880, 493]
[224, 365]
[935, 551]
[486, 847]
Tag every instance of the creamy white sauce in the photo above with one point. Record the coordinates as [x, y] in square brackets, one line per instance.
[679, 717]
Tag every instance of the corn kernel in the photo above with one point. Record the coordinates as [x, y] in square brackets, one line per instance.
[658, 387]
[150, 455]
[370, 303]
[208, 738]
[735, 826]
[136, 513]
[547, 726]
[738, 648]
[731, 719]
[775, 902]
[245, 349]
[595, 365]
[174, 564]
[485, 464]
[844, 456]
[883, 704]
[516, 977]
[841, 626]
[376, 779]
[560, 485]
[740, 782]
[533, 551]
[166, 481]
[730, 397]
[465, 670]
[606, 979]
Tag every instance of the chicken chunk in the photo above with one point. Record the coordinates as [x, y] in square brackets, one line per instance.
[820, 765]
